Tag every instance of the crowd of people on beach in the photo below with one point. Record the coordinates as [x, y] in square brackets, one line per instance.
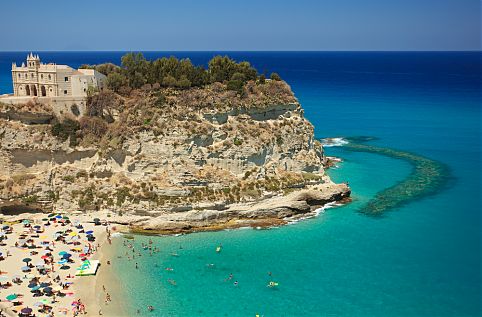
[39, 260]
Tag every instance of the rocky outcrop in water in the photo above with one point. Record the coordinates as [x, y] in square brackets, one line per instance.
[171, 157]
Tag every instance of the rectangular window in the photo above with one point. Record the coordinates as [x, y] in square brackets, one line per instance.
[65, 91]
[66, 78]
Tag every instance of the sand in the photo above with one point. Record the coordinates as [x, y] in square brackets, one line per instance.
[86, 288]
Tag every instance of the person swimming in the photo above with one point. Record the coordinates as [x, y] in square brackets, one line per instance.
[235, 283]
[150, 308]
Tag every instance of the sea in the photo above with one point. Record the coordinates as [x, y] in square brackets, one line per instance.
[421, 257]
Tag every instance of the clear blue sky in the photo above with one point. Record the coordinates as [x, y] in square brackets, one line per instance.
[35, 25]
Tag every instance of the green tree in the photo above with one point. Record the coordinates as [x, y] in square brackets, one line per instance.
[261, 79]
[275, 76]
[114, 81]
[183, 82]
[169, 81]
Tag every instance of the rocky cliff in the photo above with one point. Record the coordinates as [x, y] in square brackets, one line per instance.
[169, 159]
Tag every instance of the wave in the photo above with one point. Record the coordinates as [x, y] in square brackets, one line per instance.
[330, 142]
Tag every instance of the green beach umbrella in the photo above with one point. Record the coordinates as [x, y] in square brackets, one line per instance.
[11, 297]
[61, 253]
[27, 260]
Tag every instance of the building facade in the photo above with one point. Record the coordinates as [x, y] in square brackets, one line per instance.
[36, 79]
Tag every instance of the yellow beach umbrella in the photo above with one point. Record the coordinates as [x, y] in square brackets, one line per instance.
[73, 234]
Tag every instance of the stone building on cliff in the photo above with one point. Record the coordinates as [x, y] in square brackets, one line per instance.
[36, 79]
[59, 86]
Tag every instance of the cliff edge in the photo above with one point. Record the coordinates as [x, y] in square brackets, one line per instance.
[168, 160]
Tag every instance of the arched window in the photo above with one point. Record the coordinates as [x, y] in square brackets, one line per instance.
[42, 76]
[50, 77]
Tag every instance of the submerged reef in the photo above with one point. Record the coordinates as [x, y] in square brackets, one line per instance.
[428, 177]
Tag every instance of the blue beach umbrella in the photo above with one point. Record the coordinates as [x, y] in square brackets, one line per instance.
[61, 253]
[25, 268]
[35, 288]
[44, 284]
[89, 232]
[63, 261]
[67, 255]
[58, 217]
[32, 285]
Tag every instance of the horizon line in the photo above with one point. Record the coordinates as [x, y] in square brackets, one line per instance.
[254, 51]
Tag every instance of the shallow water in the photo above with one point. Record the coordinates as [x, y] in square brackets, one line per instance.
[420, 259]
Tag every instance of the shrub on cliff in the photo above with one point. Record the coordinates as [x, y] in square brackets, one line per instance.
[102, 104]
[115, 81]
[66, 129]
[93, 125]
[275, 76]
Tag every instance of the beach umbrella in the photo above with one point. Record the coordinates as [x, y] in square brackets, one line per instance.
[65, 267]
[51, 215]
[35, 288]
[44, 257]
[47, 289]
[25, 269]
[66, 218]
[37, 304]
[61, 253]
[26, 310]
[66, 256]
[43, 284]
[11, 297]
[58, 217]
[89, 232]
[63, 261]
[37, 226]
[32, 285]
[27, 260]
[73, 234]
[26, 222]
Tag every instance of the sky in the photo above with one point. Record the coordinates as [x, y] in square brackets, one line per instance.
[242, 25]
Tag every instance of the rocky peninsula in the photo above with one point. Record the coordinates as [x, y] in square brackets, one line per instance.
[169, 156]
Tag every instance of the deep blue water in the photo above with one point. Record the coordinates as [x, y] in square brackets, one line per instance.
[419, 260]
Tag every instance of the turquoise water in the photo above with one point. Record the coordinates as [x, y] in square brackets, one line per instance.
[420, 259]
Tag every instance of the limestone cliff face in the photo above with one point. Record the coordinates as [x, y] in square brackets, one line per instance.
[160, 152]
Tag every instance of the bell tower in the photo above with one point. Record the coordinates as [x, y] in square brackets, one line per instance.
[33, 62]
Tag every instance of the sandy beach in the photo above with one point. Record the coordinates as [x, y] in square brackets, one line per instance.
[40, 256]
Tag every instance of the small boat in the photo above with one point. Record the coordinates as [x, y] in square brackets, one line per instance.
[218, 249]
[169, 269]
